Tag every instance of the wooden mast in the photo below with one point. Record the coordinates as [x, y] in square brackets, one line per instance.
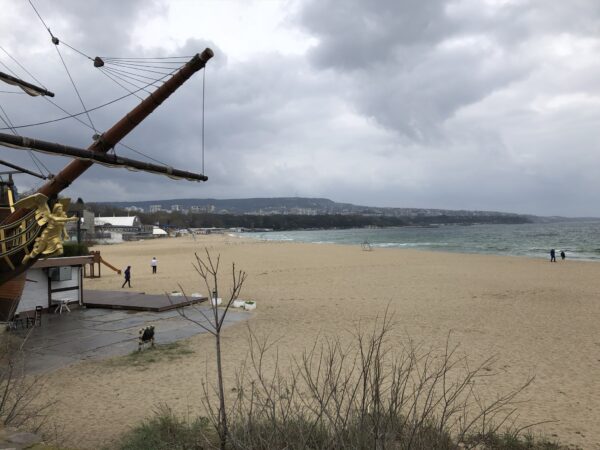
[109, 139]
[106, 141]
[108, 159]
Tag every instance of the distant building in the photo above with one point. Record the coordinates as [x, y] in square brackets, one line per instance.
[155, 208]
[120, 224]
[117, 229]
[175, 208]
[304, 211]
[202, 209]
[134, 209]
[159, 232]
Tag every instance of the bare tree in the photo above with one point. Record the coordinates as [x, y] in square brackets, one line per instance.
[208, 269]
[18, 392]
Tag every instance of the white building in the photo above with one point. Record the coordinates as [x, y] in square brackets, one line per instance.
[53, 281]
[116, 229]
[121, 224]
[158, 232]
[134, 209]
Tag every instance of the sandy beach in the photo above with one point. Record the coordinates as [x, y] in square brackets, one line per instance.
[537, 318]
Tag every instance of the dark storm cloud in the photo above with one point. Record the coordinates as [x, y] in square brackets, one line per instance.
[356, 34]
[413, 63]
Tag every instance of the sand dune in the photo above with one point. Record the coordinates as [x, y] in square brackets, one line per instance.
[536, 317]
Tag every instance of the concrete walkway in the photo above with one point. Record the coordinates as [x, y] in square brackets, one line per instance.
[99, 333]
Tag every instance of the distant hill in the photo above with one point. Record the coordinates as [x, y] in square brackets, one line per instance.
[304, 206]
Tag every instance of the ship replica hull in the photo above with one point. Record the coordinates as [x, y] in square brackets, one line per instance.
[10, 297]
[15, 241]
[21, 228]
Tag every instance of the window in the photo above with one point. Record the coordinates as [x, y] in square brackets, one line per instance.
[60, 273]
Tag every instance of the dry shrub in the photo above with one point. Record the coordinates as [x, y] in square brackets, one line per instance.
[371, 393]
[18, 391]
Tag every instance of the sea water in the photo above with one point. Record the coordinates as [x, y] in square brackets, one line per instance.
[578, 239]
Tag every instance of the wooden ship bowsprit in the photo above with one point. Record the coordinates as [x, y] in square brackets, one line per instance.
[30, 228]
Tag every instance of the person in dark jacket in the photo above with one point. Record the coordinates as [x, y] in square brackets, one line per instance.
[562, 255]
[127, 274]
[552, 255]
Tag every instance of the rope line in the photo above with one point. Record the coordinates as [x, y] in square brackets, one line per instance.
[143, 65]
[133, 74]
[75, 50]
[9, 69]
[35, 158]
[143, 154]
[77, 114]
[75, 87]
[119, 143]
[9, 123]
[67, 112]
[105, 58]
[125, 80]
[115, 81]
[40, 17]
[22, 67]
[144, 68]
[203, 97]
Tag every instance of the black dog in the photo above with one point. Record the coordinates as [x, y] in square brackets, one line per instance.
[146, 337]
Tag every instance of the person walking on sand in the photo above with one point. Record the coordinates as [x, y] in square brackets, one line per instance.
[127, 274]
[562, 255]
[552, 255]
[154, 263]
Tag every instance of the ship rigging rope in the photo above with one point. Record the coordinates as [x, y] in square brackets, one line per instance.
[158, 58]
[37, 161]
[22, 67]
[118, 83]
[129, 79]
[8, 68]
[75, 87]
[146, 68]
[203, 97]
[10, 126]
[139, 64]
[70, 115]
[76, 114]
[40, 17]
[133, 75]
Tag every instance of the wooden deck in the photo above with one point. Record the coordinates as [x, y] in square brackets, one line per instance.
[137, 301]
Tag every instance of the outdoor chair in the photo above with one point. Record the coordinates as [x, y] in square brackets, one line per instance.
[16, 320]
[36, 320]
[62, 304]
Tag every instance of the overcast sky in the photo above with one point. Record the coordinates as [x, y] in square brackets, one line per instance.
[470, 104]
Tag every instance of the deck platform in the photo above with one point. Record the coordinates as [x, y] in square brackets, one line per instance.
[136, 301]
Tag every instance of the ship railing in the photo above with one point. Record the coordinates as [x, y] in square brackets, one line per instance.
[17, 236]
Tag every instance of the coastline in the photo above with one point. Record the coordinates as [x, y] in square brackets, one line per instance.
[578, 239]
[535, 317]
